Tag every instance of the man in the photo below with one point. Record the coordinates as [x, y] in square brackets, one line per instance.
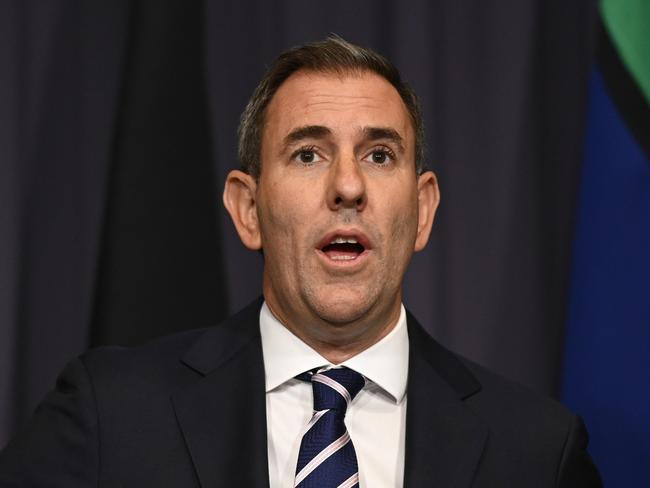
[328, 381]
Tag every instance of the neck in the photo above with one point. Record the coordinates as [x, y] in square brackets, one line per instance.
[338, 342]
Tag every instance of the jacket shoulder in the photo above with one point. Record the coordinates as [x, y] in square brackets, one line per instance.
[509, 396]
[169, 360]
[525, 425]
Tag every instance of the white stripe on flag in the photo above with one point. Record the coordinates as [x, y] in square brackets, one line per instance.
[321, 457]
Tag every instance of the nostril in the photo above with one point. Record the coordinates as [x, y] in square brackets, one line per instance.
[338, 200]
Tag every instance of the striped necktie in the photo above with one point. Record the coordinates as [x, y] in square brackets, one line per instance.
[327, 458]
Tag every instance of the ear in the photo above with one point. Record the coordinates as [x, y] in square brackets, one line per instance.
[428, 200]
[239, 199]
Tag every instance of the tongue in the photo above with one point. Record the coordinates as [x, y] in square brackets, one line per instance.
[343, 251]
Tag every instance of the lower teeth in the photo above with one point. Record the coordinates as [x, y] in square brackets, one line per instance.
[343, 258]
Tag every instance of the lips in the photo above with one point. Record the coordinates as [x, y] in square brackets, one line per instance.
[344, 246]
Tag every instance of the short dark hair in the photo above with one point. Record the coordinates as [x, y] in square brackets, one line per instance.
[331, 55]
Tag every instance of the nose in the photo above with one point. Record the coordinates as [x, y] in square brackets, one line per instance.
[346, 185]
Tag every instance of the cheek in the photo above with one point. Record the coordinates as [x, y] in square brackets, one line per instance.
[291, 203]
[403, 227]
[281, 222]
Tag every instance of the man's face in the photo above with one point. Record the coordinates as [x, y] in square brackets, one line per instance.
[337, 201]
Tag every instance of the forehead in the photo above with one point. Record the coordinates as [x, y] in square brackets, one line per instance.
[344, 103]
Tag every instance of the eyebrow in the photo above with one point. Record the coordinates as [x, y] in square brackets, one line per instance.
[320, 131]
[386, 133]
[306, 132]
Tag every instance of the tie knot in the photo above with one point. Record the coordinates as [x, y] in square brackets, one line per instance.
[335, 388]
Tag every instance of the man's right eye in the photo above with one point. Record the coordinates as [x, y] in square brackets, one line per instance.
[306, 156]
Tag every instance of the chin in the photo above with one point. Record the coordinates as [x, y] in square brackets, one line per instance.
[342, 307]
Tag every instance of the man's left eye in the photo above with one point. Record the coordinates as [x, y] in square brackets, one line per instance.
[381, 156]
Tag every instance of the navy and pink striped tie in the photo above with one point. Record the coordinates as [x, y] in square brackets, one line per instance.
[327, 458]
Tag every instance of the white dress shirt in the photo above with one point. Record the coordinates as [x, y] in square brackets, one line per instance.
[376, 419]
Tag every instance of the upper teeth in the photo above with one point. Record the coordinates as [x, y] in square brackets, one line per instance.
[344, 240]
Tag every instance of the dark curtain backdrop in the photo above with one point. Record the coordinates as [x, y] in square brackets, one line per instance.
[117, 128]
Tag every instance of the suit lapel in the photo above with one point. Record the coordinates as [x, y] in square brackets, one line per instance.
[222, 414]
[444, 439]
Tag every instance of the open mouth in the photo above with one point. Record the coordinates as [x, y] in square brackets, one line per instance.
[343, 249]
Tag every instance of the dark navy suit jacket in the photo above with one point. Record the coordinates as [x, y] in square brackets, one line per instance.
[189, 410]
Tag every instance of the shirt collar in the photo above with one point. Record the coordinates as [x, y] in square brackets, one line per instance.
[286, 356]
